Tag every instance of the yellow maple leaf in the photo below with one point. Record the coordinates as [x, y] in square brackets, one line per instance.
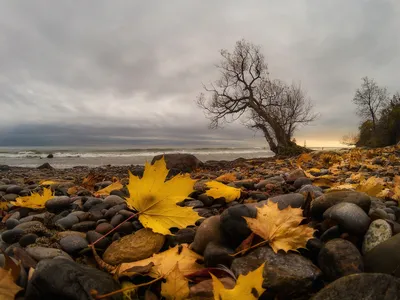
[323, 182]
[303, 158]
[108, 189]
[155, 199]
[228, 177]
[35, 200]
[165, 262]
[280, 227]
[176, 286]
[8, 289]
[220, 190]
[396, 189]
[247, 286]
[373, 186]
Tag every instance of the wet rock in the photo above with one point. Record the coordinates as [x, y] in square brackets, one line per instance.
[45, 166]
[378, 232]
[385, 257]
[350, 218]
[72, 281]
[285, 274]
[12, 236]
[84, 226]
[233, 226]
[11, 223]
[322, 203]
[338, 258]
[140, 245]
[58, 204]
[379, 213]
[208, 231]
[103, 228]
[67, 222]
[73, 244]
[295, 175]
[299, 182]
[38, 253]
[294, 200]
[331, 233]
[183, 162]
[28, 239]
[204, 289]
[92, 236]
[216, 254]
[361, 286]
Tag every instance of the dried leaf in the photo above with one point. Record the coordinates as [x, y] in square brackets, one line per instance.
[47, 182]
[156, 198]
[323, 182]
[373, 186]
[8, 289]
[107, 190]
[246, 244]
[164, 262]
[281, 227]
[220, 190]
[128, 294]
[35, 200]
[396, 189]
[91, 179]
[228, 177]
[176, 286]
[304, 158]
[247, 286]
[9, 265]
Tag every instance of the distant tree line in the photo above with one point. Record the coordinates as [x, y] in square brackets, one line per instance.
[380, 116]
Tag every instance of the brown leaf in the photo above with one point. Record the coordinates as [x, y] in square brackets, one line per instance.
[246, 244]
[8, 289]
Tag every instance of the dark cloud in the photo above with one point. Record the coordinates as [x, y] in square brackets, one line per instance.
[99, 68]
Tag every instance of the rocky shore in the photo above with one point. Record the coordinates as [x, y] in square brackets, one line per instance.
[350, 198]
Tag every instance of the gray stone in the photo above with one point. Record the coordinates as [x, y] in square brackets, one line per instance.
[361, 286]
[73, 244]
[84, 226]
[179, 161]
[295, 175]
[315, 191]
[378, 232]
[67, 222]
[299, 182]
[294, 200]
[40, 253]
[350, 218]
[216, 254]
[11, 223]
[12, 236]
[33, 227]
[14, 189]
[113, 200]
[275, 180]
[58, 204]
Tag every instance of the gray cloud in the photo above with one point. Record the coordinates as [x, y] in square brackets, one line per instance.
[106, 69]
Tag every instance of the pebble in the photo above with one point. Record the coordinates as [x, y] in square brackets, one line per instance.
[67, 222]
[84, 226]
[294, 200]
[293, 175]
[103, 228]
[38, 253]
[11, 223]
[117, 219]
[378, 232]
[13, 189]
[12, 236]
[216, 254]
[28, 239]
[299, 182]
[194, 203]
[113, 200]
[73, 244]
[92, 236]
[208, 231]
[58, 204]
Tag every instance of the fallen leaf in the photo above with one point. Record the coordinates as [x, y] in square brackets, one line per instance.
[304, 158]
[246, 244]
[156, 198]
[164, 262]
[10, 266]
[220, 190]
[35, 200]
[107, 190]
[128, 294]
[373, 186]
[73, 190]
[323, 182]
[228, 177]
[3, 205]
[280, 227]
[8, 289]
[47, 182]
[247, 286]
[91, 179]
[176, 286]
[396, 189]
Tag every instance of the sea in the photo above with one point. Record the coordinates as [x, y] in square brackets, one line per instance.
[67, 157]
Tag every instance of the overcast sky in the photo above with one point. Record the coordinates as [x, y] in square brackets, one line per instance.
[124, 72]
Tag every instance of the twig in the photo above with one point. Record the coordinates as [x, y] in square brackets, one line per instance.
[247, 249]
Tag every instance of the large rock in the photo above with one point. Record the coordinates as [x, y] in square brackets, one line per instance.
[350, 218]
[378, 232]
[321, 204]
[361, 286]
[182, 162]
[140, 245]
[208, 231]
[293, 200]
[285, 274]
[338, 258]
[384, 258]
[64, 279]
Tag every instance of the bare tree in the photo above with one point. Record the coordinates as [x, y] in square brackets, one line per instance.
[350, 139]
[370, 100]
[244, 91]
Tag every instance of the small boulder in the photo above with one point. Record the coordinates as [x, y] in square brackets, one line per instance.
[208, 231]
[185, 163]
[45, 166]
[378, 232]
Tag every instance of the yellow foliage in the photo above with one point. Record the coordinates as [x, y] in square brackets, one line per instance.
[155, 199]
[166, 261]
[304, 158]
[373, 186]
[247, 286]
[47, 182]
[220, 190]
[35, 200]
[8, 289]
[176, 286]
[280, 227]
[323, 182]
[108, 189]
[396, 189]
[228, 177]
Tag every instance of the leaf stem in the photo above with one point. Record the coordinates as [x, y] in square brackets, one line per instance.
[247, 249]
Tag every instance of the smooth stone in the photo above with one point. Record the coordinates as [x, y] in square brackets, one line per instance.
[315, 191]
[320, 204]
[58, 204]
[22, 256]
[292, 176]
[67, 222]
[275, 180]
[299, 182]
[10, 197]
[11, 223]
[114, 210]
[194, 203]
[331, 233]
[206, 200]
[14, 189]
[92, 236]
[103, 228]
[73, 244]
[38, 253]
[63, 234]
[216, 254]
[378, 232]
[350, 218]
[379, 213]
[15, 216]
[208, 231]
[116, 220]
[285, 274]
[339, 258]
[91, 202]
[28, 239]
[294, 200]
[234, 227]
[84, 226]
[33, 227]
[125, 228]
[45, 166]
[391, 203]
[385, 257]
[181, 161]
[65, 279]
[140, 245]
[12, 236]
[126, 213]
[182, 236]
[361, 286]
